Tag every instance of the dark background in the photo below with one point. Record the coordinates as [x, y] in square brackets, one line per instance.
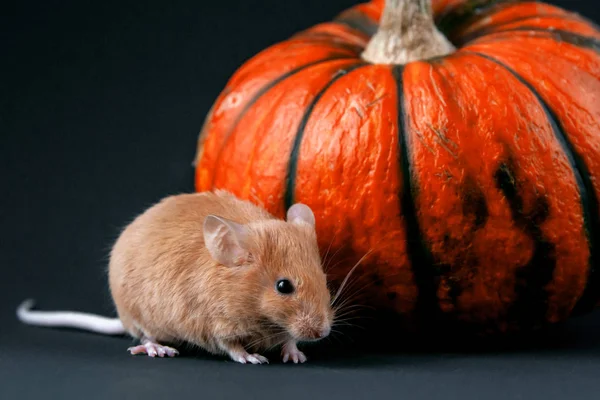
[100, 107]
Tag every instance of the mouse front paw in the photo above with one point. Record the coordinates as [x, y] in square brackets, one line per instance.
[290, 352]
[238, 353]
[249, 358]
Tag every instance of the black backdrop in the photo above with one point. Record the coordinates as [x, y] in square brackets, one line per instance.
[100, 106]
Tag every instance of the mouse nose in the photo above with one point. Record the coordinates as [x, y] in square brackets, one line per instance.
[319, 333]
[315, 334]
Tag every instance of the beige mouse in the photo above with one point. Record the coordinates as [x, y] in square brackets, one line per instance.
[217, 272]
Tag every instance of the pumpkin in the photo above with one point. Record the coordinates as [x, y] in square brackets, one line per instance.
[454, 143]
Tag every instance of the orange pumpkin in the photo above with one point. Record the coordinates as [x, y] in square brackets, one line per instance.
[457, 142]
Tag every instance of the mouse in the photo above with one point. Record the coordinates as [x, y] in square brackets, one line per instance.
[214, 271]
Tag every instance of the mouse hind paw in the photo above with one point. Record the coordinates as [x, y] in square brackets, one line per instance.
[153, 349]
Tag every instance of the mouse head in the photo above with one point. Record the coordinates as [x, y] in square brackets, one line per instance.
[282, 260]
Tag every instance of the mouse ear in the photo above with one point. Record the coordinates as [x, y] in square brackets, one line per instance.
[300, 213]
[225, 240]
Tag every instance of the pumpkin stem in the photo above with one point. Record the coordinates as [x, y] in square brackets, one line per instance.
[406, 33]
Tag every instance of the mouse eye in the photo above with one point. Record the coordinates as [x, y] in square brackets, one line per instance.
[284, 286]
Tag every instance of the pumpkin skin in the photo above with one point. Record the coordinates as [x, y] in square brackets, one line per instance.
[470, 180]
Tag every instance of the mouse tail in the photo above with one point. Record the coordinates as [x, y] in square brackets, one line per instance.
[69, 319]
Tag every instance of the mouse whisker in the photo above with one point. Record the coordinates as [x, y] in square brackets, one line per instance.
[336, 264]
[342, 333]
[266, 338]
[279, 343]
[351, 294]
[327, 266]
[337, 331]
[348, 276]
[350, 325]
[330, 281]
[376, 247]
[355, 290]
[346, 321]
[335, 335]
[329, 248]
[351, 310]
[351, 306]
[350, 318]
[339, 335]
[348, 307]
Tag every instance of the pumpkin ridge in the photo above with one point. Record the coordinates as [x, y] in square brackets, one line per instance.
[310, 38]
[264, 90]
[357, 21]
[575, 39]
[509, 13]
[421, 261]
[460, 14]
[530, 306]
[589, 201]
[497, 28]
[290, 179]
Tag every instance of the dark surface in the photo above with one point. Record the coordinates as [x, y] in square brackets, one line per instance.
[100, 106]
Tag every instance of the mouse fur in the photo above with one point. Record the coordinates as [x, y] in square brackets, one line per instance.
[204, 269]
